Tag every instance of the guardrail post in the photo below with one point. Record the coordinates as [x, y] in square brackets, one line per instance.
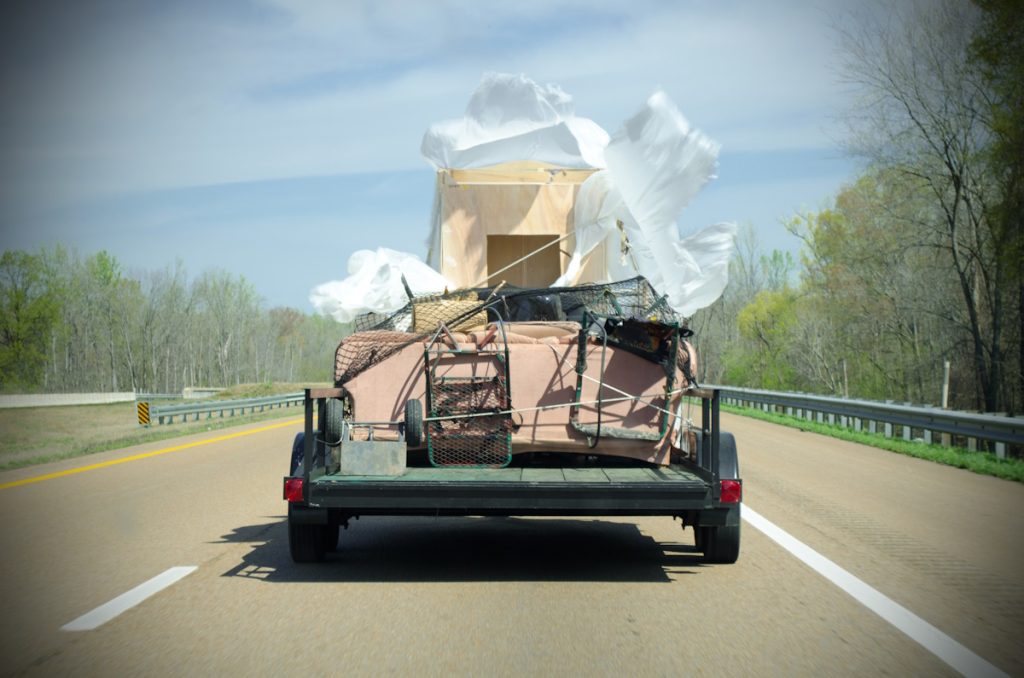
[928, 436]
[888, 430]
[906, 433]
[1001, 450]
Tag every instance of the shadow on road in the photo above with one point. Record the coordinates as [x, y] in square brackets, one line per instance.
[403, 549]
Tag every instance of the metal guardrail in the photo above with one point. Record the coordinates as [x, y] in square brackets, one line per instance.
[165, 414]
[867, 414]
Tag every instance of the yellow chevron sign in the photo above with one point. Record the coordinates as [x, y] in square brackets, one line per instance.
[143, 409]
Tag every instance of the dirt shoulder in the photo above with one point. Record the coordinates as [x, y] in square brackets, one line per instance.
[34, 435]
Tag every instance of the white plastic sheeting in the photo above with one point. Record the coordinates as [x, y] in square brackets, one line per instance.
[374, 284]
[510, 118]
[655, 164]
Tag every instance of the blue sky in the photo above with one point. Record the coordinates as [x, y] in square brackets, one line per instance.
[273, 138]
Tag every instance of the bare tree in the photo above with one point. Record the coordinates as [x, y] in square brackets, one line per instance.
[924, 114]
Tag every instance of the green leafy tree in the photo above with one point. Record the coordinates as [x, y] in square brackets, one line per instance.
[998, 49]
[926, 113]
[720, 348]
[765, 325]
[27, 313]
[880, 292]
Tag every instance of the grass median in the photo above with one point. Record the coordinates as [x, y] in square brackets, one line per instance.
[984, 463]
[35, 435]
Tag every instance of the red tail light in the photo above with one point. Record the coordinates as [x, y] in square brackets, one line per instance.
[732, 491]
[293, 489]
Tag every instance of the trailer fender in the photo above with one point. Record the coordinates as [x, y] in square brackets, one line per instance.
[728, 460]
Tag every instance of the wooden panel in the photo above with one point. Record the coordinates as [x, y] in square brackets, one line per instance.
[627, 475]
[471, 212]
[542, 475]
[539, 270]
[527, 172]
[584, 475]
[656, 474]
[531, 475]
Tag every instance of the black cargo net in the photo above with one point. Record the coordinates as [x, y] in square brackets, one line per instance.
[378, 336]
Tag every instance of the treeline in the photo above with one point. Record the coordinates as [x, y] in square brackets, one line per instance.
[918, 261]
[921, 259]
[69, 324]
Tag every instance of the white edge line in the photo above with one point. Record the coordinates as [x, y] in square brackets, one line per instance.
[928, 636]
[127, 600]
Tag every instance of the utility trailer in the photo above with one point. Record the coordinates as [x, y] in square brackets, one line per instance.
[705, 493]
[519, 398]
[427, 426]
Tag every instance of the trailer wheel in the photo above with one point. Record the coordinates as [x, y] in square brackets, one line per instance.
[297, 450]
[333, 419]
[307, 543]
[329, 534]
[413, 423]
[720, 544]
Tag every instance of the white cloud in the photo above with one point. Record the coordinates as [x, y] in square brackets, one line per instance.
[307, 87]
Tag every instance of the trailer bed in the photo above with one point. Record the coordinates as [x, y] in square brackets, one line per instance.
[521, 491]
[670, 474]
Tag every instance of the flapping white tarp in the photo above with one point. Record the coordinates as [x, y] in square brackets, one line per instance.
[374, 284]
[651, 168]
[511, 118]
[656, 164]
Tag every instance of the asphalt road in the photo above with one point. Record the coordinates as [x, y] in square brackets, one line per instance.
[485, 596]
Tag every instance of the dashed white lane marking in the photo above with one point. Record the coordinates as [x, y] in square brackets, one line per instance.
[107, 611]
[931, 638]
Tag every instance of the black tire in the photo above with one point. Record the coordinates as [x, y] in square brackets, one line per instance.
[413, 423]
[333, 419]
[307, 543]
[330, 535]
[297, 451]
[720, 544]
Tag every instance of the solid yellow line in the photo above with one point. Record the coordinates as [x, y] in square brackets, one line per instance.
[146, 455]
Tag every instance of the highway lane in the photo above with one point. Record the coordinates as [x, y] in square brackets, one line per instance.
[505, 596]
[943, 542]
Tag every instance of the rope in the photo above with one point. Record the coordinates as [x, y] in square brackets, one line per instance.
[481, 283]
[541, 408]
[639, 397]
